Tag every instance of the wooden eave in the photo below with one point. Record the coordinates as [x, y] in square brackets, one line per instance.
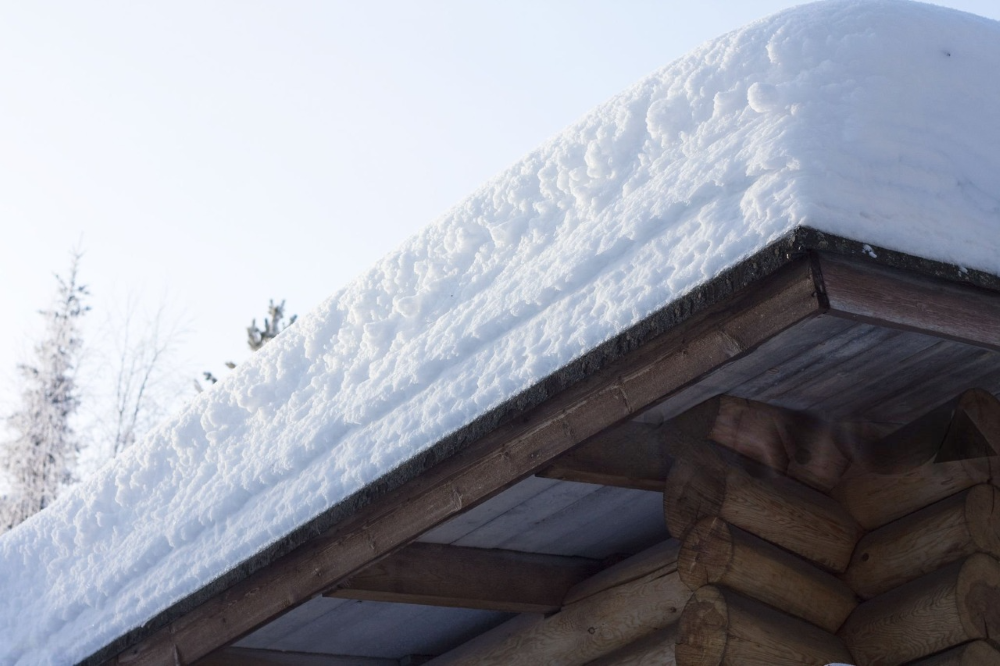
[700, 346]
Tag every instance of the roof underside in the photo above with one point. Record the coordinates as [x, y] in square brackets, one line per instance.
[845, 361]
[833, 367]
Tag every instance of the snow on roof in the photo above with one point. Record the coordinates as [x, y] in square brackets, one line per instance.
[870, 119]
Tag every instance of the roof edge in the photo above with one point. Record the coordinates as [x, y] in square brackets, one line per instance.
[798, 243]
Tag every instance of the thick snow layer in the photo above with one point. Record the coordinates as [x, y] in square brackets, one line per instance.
[870, 119]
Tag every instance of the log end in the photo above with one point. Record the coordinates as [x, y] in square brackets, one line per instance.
[706, 553]
[691, 493]
[982, 510]
[704, 629]
[978, 593]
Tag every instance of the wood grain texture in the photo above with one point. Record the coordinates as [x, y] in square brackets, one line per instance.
[251, 657]
[500, 580]
[716, 553]
[877, 499]
[582, 631]
[657, 649]
[661, 557]
[963, 428]
[776, 509]
[976, 653]
[792, 443]
[953, 605]
[924, 541]
[722, 628]
[629, 455]
[874, 294]
[519, 448]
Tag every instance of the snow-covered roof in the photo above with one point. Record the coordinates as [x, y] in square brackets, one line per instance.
[869, 119]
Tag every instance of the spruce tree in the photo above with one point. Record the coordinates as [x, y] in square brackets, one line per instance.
[39, 460]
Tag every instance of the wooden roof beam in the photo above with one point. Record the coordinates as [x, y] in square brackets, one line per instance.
[867, 292]
[629, 455]
[672, 361]
[629, 601]
[234, 656]
[498, 580]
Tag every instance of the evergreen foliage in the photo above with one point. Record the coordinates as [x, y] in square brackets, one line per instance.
[257, 338]
[39, 459]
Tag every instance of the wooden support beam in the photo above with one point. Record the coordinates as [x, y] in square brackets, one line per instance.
[661, 557]
[597, 624]
[878, 499]
[955, 604]
[717, 553]
[656, 649]
[629, 455]
[389, 518]
[500, 580]
[722, 628]
[927, 540]
[977, 653]
[966, 427]
[777, 509]
[635, 454]
[864, 291]
[949, 449]
[234, 656]
[792, 443]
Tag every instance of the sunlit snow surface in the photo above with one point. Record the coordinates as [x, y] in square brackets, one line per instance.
[874, 120]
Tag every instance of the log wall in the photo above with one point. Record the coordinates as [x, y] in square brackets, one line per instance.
[796, 547]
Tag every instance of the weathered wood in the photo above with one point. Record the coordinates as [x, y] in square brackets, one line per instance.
[437, 575]
[716, 553]
[777, 509]
[877, 499]
[799, 445]
[874, 294]
[629, 455]
[597, 624]
[722, 628]
[253, 657]
[927, 540]
[977, 653]
[661, 557]
[963, 428]
[657, 649]
[649, 374]
[792, 443]
[861, 376]
[955, 604]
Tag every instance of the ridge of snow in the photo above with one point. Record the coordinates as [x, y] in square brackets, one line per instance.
[869, 119]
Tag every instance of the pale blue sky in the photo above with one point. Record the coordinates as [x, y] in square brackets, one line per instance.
[229, 152]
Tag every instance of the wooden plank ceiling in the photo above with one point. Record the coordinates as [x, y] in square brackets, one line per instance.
[831, 346]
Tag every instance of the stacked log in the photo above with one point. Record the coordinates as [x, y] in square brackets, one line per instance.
[778, 564]
[951, 606]
[760, 563]
[795, 542]
[634, 600]
[977, 653]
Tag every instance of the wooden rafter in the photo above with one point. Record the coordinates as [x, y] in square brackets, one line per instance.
[629, 455]
[499, 580]
[649, 374]
[253, 657]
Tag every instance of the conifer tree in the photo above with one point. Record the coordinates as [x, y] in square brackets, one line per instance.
[257, 338]
[39, 460]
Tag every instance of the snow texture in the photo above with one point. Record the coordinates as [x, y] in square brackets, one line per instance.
[870, 119]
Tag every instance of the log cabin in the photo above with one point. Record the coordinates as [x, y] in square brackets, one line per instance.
[789, 460]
